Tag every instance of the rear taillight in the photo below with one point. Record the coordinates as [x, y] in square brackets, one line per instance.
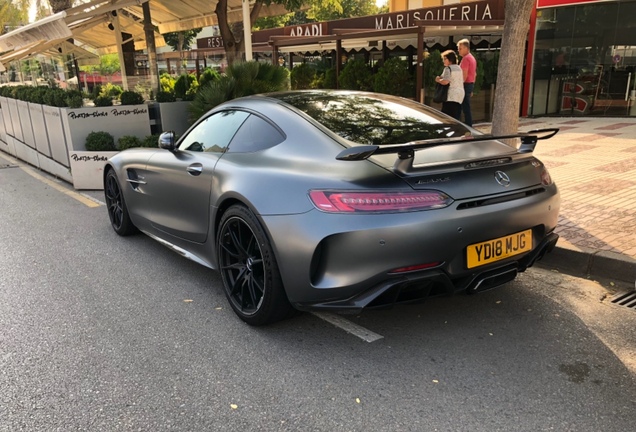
[376, 202]
[545, 177]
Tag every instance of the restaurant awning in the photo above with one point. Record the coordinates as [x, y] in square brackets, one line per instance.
[47, 29]
[98, 32]
[51, 49]
[97, 23]
[178, 15]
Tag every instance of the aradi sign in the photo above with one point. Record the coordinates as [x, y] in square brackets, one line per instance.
[313, 29]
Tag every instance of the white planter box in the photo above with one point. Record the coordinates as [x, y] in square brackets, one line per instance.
[3, 132]
[4, 146]
[87, 168]
[174, 116]
[57, 169]
[26, 153]
[55, 133]
[6, 118]
[25, 122]
[116, 120]
[39, 129]
[15, 119]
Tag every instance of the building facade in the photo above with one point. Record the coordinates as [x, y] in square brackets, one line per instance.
[583, 59]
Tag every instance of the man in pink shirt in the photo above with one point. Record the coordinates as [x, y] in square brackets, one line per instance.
[469, 68]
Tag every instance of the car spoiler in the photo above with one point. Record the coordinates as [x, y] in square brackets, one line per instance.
[406, 152]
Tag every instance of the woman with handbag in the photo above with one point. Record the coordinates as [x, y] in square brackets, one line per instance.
[452, 80]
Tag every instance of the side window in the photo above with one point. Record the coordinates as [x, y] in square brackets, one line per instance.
[255, 134]
[214, 133]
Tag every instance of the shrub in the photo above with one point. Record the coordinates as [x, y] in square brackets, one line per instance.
[393, 78]
[490, 70]
[208, 76]
[75, 101]
[356, 75]
[103, 101]
[38, 95]
[151, 141]
[100, 141]
[183, 84]
[241, 79]
[112, 91]
[128, 141]
[302, 76]
[130, 97]
[167, 83]
[97, 90]
[433, 67]
[479, 77]
[56, 98]
[164, 96]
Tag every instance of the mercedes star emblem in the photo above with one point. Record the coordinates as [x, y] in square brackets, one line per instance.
[502, 178]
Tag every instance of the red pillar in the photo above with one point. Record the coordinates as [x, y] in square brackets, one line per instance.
[525, 100]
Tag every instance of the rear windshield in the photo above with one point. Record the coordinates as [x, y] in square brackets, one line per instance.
[374, 119]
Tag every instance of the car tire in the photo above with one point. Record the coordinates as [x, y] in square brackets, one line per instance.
[116, 204]
[249, 270]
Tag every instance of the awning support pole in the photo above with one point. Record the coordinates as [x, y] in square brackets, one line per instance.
[419, 93]
[120, 50]
[149, 30]
[338, 62]
[247, 30]
[275, 54]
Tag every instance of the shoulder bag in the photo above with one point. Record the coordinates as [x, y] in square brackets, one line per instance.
[441, 93]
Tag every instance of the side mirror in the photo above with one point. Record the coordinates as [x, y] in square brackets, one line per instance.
[167, 141]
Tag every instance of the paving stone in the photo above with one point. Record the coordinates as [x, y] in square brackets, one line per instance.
[615, 126]
[605, 187]
[594, 137]
[566, 151]
[620, 166]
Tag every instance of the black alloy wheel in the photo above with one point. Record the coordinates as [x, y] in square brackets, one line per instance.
[248, 268]
[117, 210]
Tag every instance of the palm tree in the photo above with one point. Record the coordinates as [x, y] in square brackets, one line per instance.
[240, 79]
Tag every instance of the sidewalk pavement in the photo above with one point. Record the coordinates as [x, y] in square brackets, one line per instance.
[593, 162]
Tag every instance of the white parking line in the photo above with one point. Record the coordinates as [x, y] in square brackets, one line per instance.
[356, 330]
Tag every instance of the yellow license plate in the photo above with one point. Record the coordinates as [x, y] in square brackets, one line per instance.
[494, 250]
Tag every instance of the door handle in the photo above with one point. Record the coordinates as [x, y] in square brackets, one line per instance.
[195, 169]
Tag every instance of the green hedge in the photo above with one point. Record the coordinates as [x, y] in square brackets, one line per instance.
[100, 141]
[130, 97]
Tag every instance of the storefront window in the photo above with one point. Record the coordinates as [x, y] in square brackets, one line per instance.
[584, 60]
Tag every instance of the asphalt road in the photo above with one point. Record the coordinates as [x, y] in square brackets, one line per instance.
[96, 335]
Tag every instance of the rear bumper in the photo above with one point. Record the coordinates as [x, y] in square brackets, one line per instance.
[419, 286]
[326, 259]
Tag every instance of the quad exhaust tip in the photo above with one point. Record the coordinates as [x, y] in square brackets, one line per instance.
[492, 279]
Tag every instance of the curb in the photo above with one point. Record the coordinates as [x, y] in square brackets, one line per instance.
[568, 258]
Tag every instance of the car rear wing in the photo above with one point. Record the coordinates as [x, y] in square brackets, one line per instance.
[406, 152]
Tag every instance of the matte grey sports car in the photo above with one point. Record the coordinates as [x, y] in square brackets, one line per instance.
[338, 200]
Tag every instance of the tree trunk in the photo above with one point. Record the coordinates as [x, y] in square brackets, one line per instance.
[180, 53]
[151, 48]
[234, 47]
[60, 5]
[508, 92]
